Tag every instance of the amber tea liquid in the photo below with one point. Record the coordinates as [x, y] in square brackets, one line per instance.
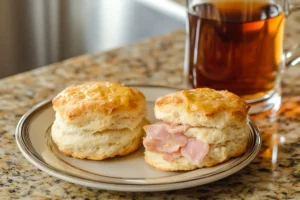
[236, 46]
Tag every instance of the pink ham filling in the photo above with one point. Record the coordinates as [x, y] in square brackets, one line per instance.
[168, 139]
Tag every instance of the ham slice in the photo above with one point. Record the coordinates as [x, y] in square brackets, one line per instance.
[169, 140]
[171, 156]
[159, 138]
[195, 151]
[170, 128]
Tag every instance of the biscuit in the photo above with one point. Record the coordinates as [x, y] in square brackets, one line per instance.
[199, 128]
[90, 117]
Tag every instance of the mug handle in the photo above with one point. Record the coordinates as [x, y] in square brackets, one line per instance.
[292, 56]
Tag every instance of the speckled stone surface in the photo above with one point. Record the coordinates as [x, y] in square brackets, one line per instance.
[274, 174]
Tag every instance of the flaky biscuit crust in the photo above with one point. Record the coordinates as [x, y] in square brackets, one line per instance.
[103, 98]
[201, 107]
[99, 145]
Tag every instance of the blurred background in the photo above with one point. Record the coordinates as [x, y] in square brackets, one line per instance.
[39, 32]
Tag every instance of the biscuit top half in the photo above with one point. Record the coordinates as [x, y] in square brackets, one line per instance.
[199, 106]
[101, 97]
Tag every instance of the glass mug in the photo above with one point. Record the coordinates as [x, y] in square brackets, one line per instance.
[237, 45]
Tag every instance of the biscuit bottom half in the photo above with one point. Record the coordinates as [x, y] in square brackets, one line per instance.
[233, 145]
[98, 145]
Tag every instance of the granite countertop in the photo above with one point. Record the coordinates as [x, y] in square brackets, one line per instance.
[273, 174]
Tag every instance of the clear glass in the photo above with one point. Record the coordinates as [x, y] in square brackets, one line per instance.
[237, 45]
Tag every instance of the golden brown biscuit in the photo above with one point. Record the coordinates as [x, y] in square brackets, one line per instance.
[87, 111]
[200, 128]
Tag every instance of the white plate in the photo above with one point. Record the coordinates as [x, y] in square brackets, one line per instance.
[127, 173]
